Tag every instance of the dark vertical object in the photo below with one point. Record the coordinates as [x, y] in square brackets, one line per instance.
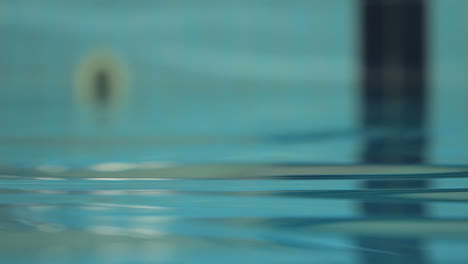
[394, 113]
[394, 80]
[102, 89]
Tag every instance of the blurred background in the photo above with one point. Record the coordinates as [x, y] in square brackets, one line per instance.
[337, 81]
[249, 89]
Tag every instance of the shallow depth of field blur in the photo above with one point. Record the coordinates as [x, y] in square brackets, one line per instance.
[249, 131]
[207, 81]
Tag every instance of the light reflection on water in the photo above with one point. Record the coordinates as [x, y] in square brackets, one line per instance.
[266, 213]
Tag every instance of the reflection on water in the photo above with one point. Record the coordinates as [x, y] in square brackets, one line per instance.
[111, 213]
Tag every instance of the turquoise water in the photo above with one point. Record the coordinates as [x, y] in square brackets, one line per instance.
[122, 213]
[273, 83]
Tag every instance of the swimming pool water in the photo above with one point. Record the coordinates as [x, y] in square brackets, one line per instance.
[235, 214]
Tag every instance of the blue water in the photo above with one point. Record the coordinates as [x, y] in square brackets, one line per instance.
[122, 213]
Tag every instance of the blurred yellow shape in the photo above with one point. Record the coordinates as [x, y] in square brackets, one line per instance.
[101, 80]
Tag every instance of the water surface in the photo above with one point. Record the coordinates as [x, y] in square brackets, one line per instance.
[112, 213]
